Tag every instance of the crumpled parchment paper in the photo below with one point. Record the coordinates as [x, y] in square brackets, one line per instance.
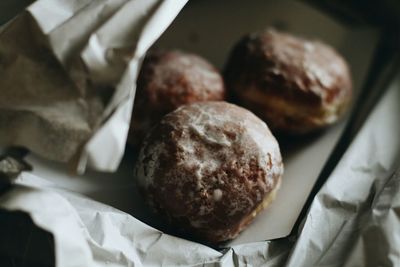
[353, 220]
[68, 72]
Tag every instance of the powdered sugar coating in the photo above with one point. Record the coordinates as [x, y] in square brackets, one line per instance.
[168, 80]
[296, 85]
[218, 162]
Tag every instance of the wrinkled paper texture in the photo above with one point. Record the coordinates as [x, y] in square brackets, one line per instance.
[352, 221]
[68, 72]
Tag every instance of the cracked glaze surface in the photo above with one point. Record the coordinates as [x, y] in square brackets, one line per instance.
[207, 166]
[294, 84]
[168, 80]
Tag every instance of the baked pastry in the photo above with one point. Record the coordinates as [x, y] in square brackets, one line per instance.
[167, 80]
[295, 85]
[209, 168]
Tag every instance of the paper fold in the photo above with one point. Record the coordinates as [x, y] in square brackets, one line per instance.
[68, 72]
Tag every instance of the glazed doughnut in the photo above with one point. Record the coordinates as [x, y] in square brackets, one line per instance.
[209, 168]
[167, 80]
[296, 85]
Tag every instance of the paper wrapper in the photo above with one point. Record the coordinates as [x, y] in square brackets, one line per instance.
[68, 72]
[353, 220]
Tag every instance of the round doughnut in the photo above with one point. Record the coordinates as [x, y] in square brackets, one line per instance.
[209, 168]
[296, 85]
[167, 80]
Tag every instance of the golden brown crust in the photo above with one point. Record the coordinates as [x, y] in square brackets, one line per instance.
[167, 80]
[206, 167]
[294, 84]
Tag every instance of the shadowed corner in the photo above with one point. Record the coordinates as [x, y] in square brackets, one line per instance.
[22, 243]
[10, 8]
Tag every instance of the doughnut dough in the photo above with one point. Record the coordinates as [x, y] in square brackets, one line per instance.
[209, 168]
[297, 86]
[168, 80]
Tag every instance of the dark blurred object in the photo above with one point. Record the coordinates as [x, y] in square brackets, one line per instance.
[10, 8]
[23, 243]
[383, 13]
[12, 167]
